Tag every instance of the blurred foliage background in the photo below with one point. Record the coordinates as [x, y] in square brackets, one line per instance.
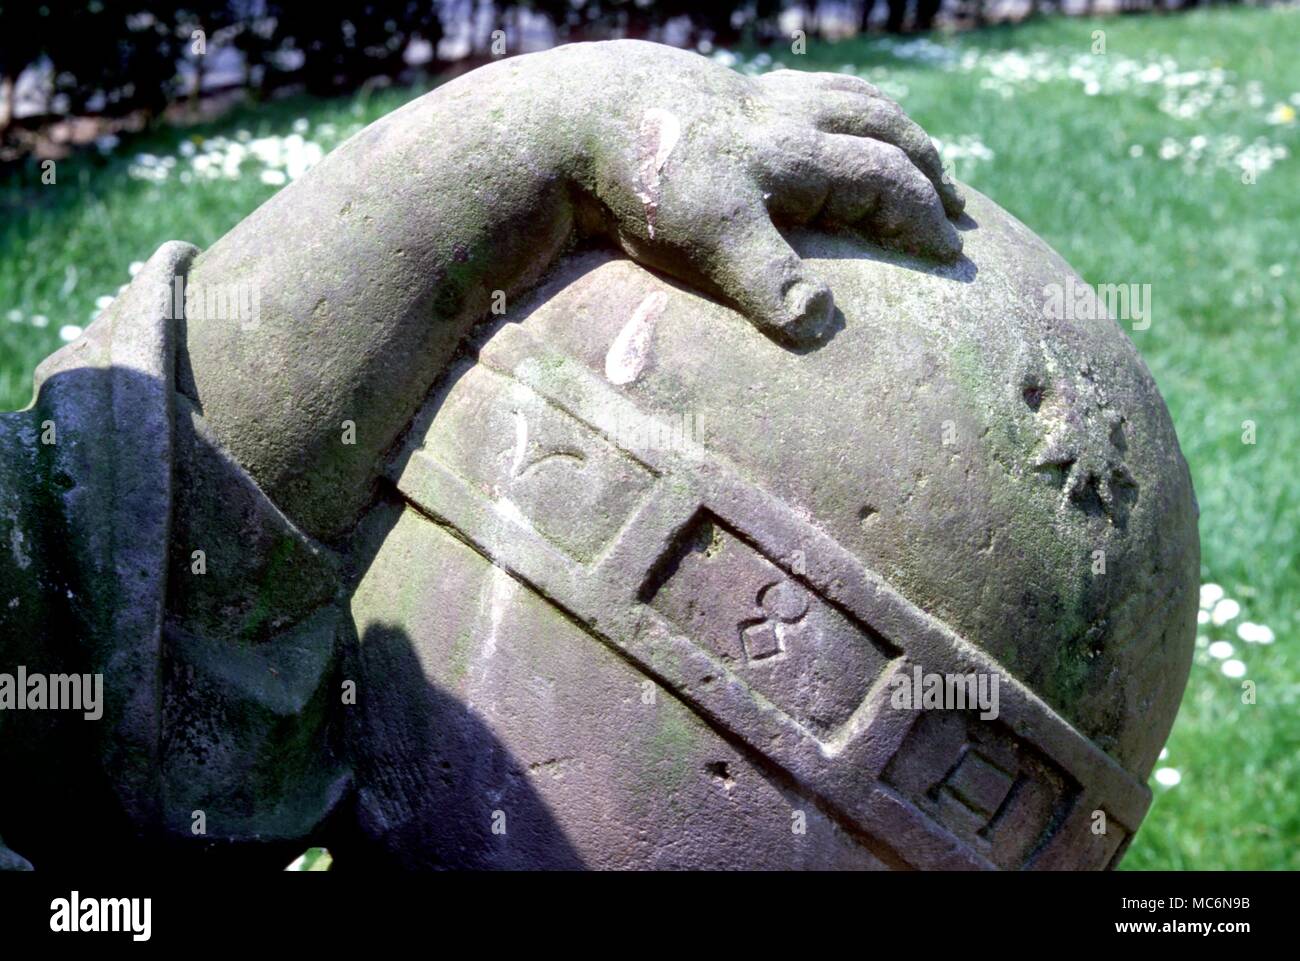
[1156, 149]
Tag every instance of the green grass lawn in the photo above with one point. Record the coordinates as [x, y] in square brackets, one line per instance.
[1132, 163]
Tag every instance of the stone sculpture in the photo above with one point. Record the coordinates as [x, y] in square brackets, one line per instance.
[628, 576]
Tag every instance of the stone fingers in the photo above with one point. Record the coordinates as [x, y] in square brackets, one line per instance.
[859, 183]
[908, 210]
[755, 268]
[842, 104]
[801, 81]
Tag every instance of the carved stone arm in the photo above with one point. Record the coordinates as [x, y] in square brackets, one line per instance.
[370, 269]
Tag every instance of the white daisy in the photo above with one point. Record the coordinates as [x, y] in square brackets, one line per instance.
[1253, 633]
[1224, 611]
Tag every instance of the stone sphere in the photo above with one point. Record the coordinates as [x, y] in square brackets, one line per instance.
[652, 583]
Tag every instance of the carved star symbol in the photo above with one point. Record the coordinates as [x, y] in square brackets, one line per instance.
[1084, 446]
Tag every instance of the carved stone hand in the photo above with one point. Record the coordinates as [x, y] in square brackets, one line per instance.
[370, 269]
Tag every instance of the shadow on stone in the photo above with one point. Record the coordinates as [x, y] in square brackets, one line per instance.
[68, 782]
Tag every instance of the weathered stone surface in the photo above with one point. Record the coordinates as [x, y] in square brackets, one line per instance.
[188, 535]
[385, 253]
[765, 536]
[634, 587]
